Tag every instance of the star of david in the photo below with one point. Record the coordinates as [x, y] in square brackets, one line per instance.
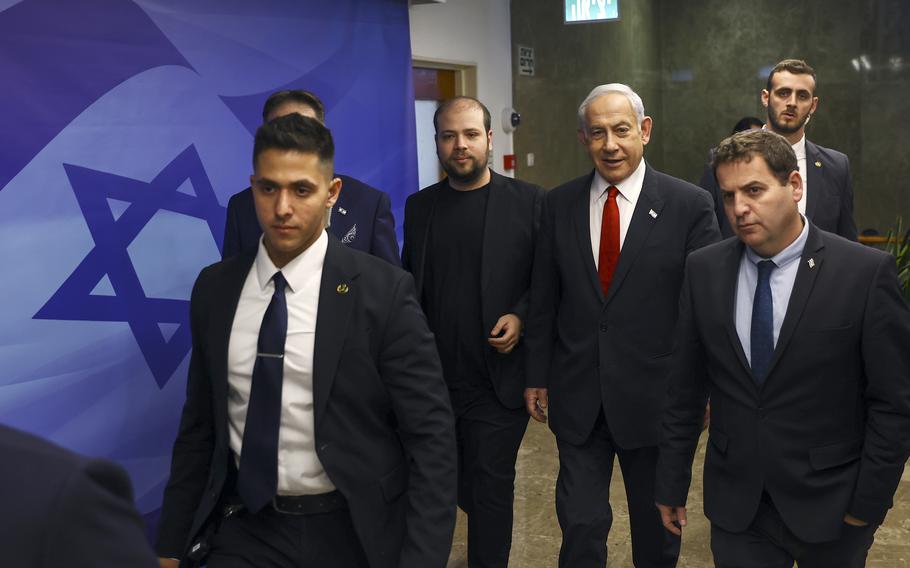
[109, 257]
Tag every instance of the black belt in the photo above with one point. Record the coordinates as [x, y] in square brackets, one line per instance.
[309, 504]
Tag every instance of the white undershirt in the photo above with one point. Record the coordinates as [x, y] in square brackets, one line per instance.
[299, 469]
[800, 149]
[629, 190]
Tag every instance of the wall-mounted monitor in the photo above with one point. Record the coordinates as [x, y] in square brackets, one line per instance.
[584, 11]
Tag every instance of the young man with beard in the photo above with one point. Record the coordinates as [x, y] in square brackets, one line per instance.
[827, 188]
[607, 274]
[800, 339]
[469, 241]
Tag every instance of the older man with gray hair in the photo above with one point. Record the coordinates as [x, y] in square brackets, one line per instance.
[604, 295]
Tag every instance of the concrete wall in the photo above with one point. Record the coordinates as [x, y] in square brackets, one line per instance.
[472, 32]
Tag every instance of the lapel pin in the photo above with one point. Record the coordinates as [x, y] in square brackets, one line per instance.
[342, 288]
[811, 263]
[343, 211]
[653, 214]
[818, 164]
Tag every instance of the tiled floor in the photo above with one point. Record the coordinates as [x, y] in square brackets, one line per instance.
[535, 540]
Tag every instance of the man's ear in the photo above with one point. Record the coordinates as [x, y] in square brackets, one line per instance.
[582, 137]
[765, 97]
[334, 192]
[645, 128]
[796, 183]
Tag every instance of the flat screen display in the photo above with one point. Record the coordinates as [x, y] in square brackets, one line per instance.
[583, 11]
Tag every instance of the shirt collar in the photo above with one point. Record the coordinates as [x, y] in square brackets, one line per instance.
[800, 148]
[629, 188]
[296, 271]
[789, 254]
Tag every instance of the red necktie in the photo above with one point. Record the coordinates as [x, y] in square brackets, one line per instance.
[609, 240]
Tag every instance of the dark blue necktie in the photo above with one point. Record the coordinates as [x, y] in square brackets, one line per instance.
[257, 480]
[762, 323]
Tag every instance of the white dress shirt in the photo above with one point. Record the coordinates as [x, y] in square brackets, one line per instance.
[629, 190]
[800, 149]
[299, 470]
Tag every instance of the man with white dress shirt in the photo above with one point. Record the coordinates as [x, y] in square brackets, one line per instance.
[317, 429]
[827, 198]
[604, 296]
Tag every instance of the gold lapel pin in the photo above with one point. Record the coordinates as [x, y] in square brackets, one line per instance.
[342, 288]
[818, 164]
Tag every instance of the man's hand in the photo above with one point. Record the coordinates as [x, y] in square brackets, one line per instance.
[504, 335]
[536, 404]
[673, 518]
[168, 563]
[853, 521]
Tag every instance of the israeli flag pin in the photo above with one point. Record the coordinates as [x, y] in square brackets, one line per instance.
[653, 214]
[811, 263]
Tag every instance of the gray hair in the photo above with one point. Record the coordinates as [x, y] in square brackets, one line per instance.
[637, 105]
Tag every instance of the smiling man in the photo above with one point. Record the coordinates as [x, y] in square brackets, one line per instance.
[317, 430]
[800, 339]
[827, 198]
[469, 241]
[604, 296]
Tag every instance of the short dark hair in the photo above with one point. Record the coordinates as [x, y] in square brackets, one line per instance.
[296, 133]
[795, 66]
[774, 148]
[298, 96]
[747, 123]
[466, 101]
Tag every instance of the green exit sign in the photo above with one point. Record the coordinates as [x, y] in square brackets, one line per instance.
[582, 11]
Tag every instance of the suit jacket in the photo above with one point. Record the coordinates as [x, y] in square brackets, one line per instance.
[829, 201]
[510, 231]
[63, 509]
[828, 432]
[611, 352]
[362, 219]
[383, 423]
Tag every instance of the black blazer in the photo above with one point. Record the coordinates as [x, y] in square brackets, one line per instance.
[591, 351]
[362, 219]
[384, 426]
[509, 236]
[828, 433]
[829, 201]
[66, 510]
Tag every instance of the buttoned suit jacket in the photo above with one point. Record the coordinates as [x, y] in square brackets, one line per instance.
[361, 218]
[612, 352]
[509, 236]
[829, 201]
[383, 422]
[64, 509]
[827, 433]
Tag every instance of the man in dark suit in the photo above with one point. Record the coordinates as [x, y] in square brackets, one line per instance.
[800, 338]
[62, 509]
[469, 241]
[361, 218]
[604, 297]
[827, 187]
[329, 440]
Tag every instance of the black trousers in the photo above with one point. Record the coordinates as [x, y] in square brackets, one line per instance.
[488, 436]
[269, 539]
[583, 503]
[768, 543]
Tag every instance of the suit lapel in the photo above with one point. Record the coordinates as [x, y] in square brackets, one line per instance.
[337, 293]
[582, 220]
[810, 265]
[814, 183]
[495, 225]
[424, 231]
[639, 228]
[730, 282]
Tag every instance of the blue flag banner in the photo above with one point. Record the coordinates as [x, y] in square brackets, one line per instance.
[126, 127]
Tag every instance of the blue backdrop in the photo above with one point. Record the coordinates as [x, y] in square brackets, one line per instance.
[126, 127]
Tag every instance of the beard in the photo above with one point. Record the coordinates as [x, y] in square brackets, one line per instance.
[785, 129]
[467, 174]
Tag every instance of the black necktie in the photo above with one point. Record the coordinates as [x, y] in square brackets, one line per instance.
[762, 323]
[257, 480]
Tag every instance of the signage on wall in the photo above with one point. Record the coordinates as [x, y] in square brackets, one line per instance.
[583, 11]
[525, 60]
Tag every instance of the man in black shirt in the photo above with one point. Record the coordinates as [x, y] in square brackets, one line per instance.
[469, 241]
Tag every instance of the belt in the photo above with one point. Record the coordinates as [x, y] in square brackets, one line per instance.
[309, 504]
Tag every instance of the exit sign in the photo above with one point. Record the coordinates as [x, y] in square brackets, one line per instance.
[583, 11]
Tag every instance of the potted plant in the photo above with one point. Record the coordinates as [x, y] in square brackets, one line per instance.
[898, 244]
